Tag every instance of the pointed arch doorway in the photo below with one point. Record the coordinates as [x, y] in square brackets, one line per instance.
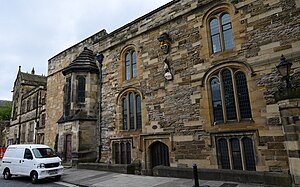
[159, 154]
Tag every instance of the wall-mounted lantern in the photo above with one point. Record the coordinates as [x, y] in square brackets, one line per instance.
[165, 42]
[284, 69]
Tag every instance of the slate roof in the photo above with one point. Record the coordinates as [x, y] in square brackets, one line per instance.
[32, 79]
[85, 62]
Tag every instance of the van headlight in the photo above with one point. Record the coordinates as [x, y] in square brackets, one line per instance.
[60, 164]
[41, 165]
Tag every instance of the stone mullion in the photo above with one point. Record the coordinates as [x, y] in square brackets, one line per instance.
[221, 34]
[242, 153]
[229, 153]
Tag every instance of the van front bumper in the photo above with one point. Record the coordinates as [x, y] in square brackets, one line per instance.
[50, 172]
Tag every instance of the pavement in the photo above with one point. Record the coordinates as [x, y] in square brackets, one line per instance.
[91, 178]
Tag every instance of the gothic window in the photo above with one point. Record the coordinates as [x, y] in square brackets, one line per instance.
[131, 111]
[221, 35]
[236, 153]
[130, 65]
[43, 120]
[31, 132]
[67, 105]
[34, 102]
[28, 104]
[81, 90]
[122, 152]
[230, 96]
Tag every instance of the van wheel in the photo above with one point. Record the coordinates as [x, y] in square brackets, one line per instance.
[57, 178]
[6, 174]
[34, 177]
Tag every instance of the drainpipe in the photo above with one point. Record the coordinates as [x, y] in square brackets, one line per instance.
[99, 60]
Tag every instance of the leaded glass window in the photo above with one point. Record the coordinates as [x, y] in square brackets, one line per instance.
[224, 154]
[249, 154]
[243, 97]
[131, 111]
[221, 35]
[122, 152]
[236, 154]
[230, 96]
[130, 65]
[216, 99]
[81, 90]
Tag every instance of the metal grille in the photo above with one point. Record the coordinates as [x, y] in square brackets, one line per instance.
[243, 97]
[52, 165]
[228, 95]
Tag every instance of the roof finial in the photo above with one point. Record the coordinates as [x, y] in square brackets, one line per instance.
[32, 71]
[19, 68]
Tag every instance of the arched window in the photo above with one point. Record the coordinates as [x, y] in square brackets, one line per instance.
[130, 65]
[221, 32]
[249, 154]
[224, 154]
[230, 96]
[81, 90]
[131, 111]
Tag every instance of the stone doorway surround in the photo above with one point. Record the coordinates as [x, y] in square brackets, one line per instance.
[146, 141]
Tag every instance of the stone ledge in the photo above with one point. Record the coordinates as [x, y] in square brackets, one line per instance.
[118, 168]
[259, 177]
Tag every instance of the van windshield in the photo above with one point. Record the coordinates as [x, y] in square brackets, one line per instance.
[43, 153]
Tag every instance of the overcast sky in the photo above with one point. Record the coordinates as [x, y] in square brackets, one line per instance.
[33, 31]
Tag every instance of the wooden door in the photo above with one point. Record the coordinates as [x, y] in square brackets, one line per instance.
[68, 151]
[159, 154]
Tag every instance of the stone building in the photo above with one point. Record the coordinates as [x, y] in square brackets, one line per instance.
[190, 82]
[28, 117]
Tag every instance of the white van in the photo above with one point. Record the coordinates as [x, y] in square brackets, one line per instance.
[34, 160]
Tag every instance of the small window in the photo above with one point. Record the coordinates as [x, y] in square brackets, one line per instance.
[81, 90]
[28, 154]
[131, 111]
[67, 95]
[221, 35]
[227, 86]
[130, 65]
[237, 155]
[122, 152]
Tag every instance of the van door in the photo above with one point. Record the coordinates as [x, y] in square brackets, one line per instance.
[27, 162]
[15, 160]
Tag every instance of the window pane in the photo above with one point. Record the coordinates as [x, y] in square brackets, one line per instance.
[138, 112]
[216, 45]
[228, 95]
[214, 27]
[81, 90]
[117, 153]
[124, 106]
[227, 32]
[223, 153]
[225, 19]
[236, 154]
[123, 153]
[134, 64]
[127, 66]
[228, 39]
[216, 100]
[215, 35]
[249, 154]
[131, 110]
[128, 152]
[243, 95]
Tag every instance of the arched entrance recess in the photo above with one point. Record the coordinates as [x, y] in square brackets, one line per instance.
[159, 154]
